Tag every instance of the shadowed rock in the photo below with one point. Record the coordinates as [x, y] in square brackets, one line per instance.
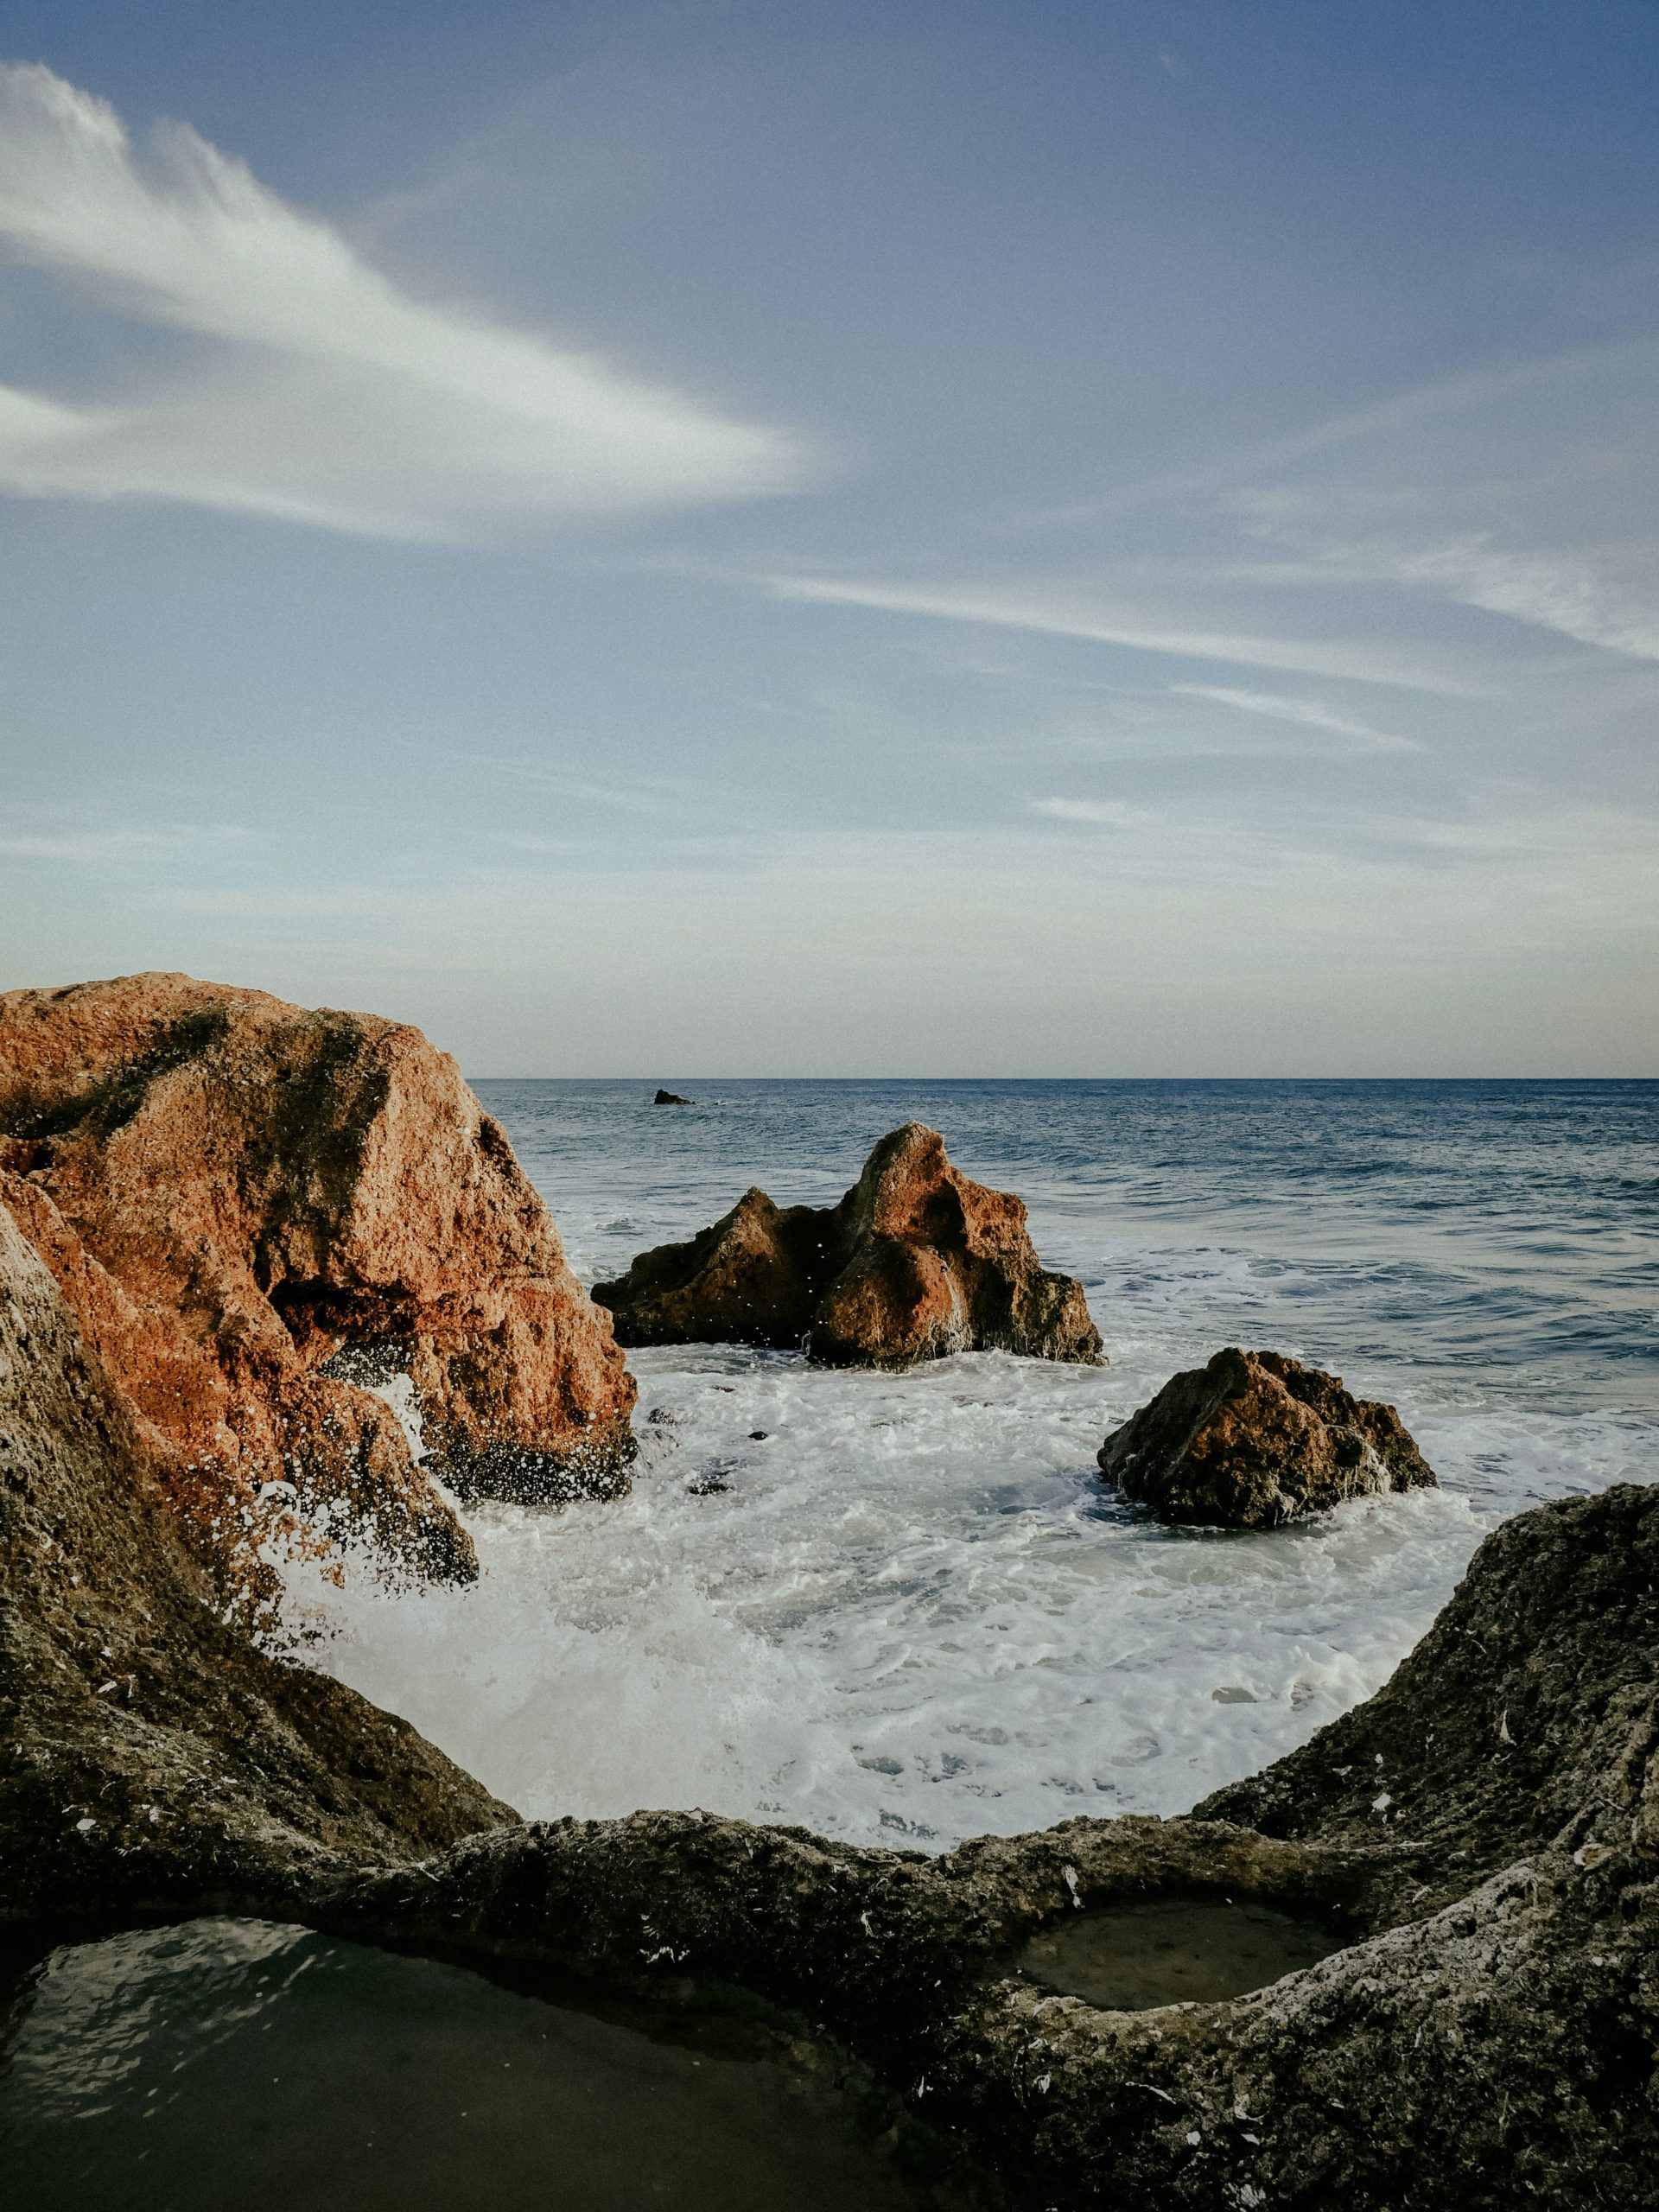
[1482, 1837]
[917, 1261]
[148, 1752]
[671, 1098]
[262, 1216]
[1253, 1440]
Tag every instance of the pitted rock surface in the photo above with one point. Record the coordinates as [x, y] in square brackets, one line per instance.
[254, 1210]
[1255, 1439]
[917, 1261]
[1484, 1832]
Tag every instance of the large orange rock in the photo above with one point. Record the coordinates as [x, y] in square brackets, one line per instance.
[916, 1261]
[1255, 1439]
[259, 1216]
[151, 1755]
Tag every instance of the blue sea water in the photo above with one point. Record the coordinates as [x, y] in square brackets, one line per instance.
[904, 1606]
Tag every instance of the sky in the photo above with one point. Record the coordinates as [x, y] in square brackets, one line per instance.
[727, 537]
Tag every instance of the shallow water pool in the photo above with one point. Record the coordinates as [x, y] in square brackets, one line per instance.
[1131, 1957]
[238, 2063]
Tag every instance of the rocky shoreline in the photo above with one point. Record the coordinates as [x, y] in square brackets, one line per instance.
[1482, 1835]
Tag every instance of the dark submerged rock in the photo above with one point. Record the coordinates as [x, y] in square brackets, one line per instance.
[915, 1262]
[1255, 1439]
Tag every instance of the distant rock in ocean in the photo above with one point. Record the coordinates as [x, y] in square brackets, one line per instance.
[1255, 1439]
[672, 1099]
[259, 1216]
[915, 1262]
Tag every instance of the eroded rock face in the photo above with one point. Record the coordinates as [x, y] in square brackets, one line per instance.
[1255, 1439]
[256, 1212]
[149, 1753]
[917, 1261]
[1484, 1834]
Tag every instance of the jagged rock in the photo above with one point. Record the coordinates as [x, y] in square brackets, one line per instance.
[261, 1214]
[672, 1099]
[147, 1752]
[915, 1262]
[1255, 1439]
[1484, 1836]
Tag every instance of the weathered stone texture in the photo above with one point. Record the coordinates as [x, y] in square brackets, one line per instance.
[150, 1755]
[1255, 1439]
[252, 1209]
[916, 1261]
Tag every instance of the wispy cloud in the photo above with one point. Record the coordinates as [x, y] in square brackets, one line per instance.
[321, 392]
[1587, 595]
[1483, 388]
[1306, 714]
[1060, 610]
[96, 847]
[1107, 813]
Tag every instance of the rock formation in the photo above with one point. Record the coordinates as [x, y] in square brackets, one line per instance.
[1483, 1833]
[915, 1262]
[1253, 1440]
[671, 1098]
[260, 1215]
[147, 1752]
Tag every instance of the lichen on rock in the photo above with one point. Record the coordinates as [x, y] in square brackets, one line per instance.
[916, 1261]
[232, 1192]
[1255, 1439]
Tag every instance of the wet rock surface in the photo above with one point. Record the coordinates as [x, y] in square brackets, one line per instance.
[917, 1261]
[1486, 2035]
[1255, 1439]
[149, 1753]
[261, 1216]
[1481, 1839]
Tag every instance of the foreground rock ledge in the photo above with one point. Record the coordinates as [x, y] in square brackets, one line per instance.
[1255, 1439]
[1486, 1829]
[260, 1215]
[917, 1261]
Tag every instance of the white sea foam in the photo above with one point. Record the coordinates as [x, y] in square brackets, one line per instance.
[911, 1611]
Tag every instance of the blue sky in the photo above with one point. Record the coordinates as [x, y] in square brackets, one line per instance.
[751, 538]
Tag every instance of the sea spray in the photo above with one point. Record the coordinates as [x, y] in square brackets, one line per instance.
[904, 1608]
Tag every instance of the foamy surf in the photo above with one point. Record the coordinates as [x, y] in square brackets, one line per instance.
[911, 1611]
[908, 1610]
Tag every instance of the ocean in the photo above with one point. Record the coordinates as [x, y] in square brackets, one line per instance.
[904, 1608]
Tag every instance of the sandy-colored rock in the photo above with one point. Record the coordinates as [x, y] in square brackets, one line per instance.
[917, 1261]
[1255, 1439]
[259, 1214]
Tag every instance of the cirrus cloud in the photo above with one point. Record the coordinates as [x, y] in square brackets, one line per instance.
[316, 389]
